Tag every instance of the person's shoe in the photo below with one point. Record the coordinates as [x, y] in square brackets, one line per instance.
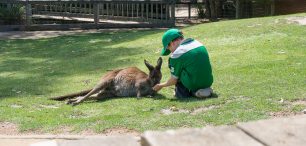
[203, 93]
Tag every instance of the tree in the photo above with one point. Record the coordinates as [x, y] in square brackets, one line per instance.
[212, 9]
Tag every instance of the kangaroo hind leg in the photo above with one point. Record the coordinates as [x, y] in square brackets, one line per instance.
[104, 94]
[95, 90]
[104, 83]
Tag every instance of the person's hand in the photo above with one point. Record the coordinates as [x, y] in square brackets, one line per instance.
[157, 87]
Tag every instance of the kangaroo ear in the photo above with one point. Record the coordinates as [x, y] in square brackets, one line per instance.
[159, 63]
[149, 66]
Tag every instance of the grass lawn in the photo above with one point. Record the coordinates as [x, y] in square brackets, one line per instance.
[258, 65]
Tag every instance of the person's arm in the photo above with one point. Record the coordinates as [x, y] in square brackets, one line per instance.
[170, 82]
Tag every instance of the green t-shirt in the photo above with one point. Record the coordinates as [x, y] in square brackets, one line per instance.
[190, 64]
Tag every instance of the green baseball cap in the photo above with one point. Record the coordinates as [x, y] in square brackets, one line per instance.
[168, 37]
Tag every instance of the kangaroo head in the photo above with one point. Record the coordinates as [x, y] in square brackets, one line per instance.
[155, 74]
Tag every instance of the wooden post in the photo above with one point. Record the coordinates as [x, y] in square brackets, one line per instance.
[127, 10]
[78, 8]
[137, 9]
[122, 10]
[237, 9]
[161, 11]
[84, 11]
[66, 13]
[55, 7]
[113, 9]
[142, 11]
[147, 12]
[173, 12]
[96, 12]
[117, 10]
[73, 8]
[167, 12]
[189, 10]
[156, 9]
[107, 11]
[132, 5]
[151, 10]
[90, 7]
[70, 8]
[102, 9]
[50, 6]
[28, 13]
[272, 7]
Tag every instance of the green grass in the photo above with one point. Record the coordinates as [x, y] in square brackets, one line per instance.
[256, 62]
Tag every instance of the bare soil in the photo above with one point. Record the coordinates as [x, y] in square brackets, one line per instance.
[7, 128]
[298, 20]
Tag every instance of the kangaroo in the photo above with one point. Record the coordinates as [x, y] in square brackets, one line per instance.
[125, 82]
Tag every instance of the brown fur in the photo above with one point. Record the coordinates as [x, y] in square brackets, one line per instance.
[126, 82]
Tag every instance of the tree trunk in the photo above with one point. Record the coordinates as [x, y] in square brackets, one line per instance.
[207, 10]
[272, 7]
[217, 8]
[212, 9]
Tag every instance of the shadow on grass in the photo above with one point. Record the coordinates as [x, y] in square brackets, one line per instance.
[41, 67]
[194, 99]
[155, 97]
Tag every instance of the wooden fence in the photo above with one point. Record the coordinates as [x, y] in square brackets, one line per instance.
[68, 14]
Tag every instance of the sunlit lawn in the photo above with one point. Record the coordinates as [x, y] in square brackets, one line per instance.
[258, 65]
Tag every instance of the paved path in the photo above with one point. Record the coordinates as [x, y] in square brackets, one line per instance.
[49, 34]
[35, 34]
[289, 131]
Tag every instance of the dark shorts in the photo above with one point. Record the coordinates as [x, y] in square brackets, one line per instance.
[181, 91]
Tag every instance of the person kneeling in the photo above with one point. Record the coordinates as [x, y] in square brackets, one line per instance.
[189, 64]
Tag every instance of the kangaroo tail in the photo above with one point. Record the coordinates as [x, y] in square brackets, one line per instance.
[82, 93]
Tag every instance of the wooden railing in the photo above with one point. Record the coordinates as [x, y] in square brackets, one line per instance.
[97, 13]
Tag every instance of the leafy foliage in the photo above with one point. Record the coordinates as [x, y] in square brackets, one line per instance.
[12, 14]
[200, 11]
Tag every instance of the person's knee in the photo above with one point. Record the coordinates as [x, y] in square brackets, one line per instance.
[182, 95]
[181, 91]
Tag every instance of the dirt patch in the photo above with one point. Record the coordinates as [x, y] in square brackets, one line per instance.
[7, 128]
[121, 131]
[288, 105]
[175, 110]
[66, 130]
[48, 106]
[237, 99]
[255, 25]
[293, 103]
[297, 20]
[203, 109]
[16, 106]
[299, 102]
[283, 114]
